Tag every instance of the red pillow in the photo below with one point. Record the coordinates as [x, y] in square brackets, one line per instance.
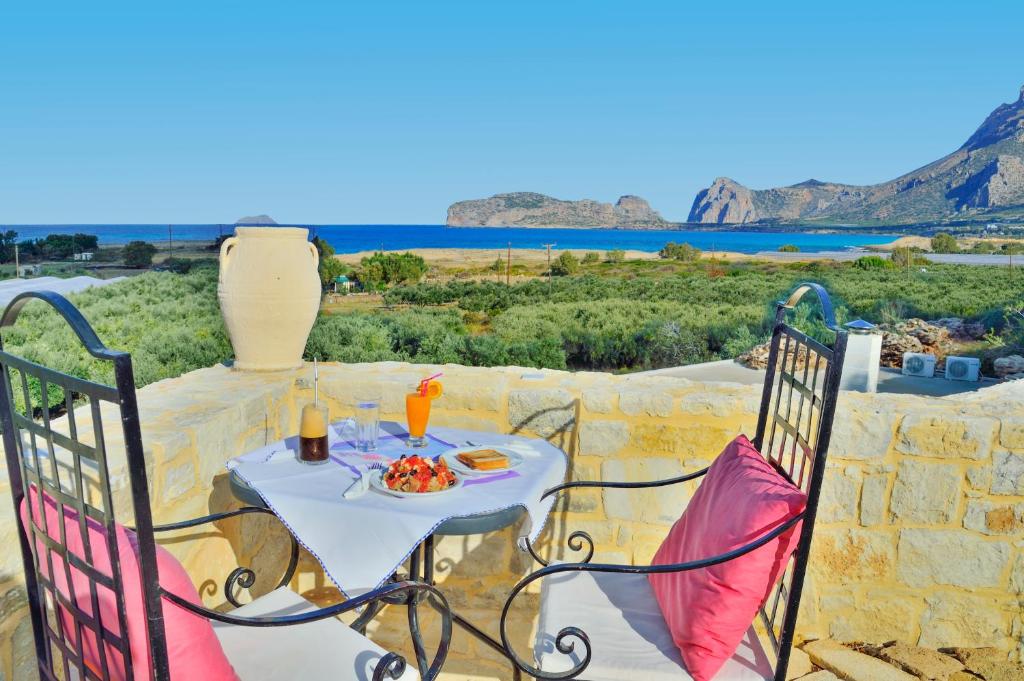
[193, 649]
[741, 498]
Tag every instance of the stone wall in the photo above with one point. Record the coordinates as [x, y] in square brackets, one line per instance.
[920, 534]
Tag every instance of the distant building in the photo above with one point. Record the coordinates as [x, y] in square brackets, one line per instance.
[342, 283]
[87, 255]
[28, 270]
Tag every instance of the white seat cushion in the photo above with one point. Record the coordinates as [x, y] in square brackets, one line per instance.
[628, 635]
[317, 651]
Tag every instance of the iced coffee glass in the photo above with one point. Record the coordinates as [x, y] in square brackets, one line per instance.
[313, 445]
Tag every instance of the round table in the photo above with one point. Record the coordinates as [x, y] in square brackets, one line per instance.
[465, 525]
[453, 527]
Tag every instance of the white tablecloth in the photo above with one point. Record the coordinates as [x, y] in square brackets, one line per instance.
[361, 542]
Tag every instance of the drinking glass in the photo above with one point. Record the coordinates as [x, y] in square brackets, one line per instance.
[313, 445]
[417, 413]
[367, 419]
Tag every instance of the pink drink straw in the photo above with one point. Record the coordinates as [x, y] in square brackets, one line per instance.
[426, 381]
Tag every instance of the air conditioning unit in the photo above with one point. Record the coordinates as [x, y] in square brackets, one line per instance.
[962, 368]
[918, 364]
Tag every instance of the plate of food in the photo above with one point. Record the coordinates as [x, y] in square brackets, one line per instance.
[481, 460]
[415, 476]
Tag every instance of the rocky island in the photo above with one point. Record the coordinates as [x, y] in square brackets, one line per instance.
[529, 209]
[257, 220]
[984, 177]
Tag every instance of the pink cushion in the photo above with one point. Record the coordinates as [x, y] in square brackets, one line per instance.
[708, 610]
[193, 649]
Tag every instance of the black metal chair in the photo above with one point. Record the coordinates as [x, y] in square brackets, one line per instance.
[794, 427]
[68, 467]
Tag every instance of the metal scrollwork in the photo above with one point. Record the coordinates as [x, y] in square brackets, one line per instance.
[240, 577]
[391, 666]
[563, 642]
[575, 543]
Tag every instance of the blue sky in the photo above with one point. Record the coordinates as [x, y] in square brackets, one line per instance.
[386, 112]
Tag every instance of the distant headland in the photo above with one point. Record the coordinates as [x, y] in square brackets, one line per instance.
[256, 220]
[530, 209]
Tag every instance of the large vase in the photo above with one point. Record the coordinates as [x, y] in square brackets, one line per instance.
[269, 293]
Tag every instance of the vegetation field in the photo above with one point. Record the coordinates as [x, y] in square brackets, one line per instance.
[623, 316]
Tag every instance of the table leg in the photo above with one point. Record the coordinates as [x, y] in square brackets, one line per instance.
[414, 619]
[475, 631]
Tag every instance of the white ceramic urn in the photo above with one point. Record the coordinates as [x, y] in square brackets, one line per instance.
[269, 292]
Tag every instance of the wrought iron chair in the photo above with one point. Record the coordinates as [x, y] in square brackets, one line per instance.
[794, 427]
[68, 466]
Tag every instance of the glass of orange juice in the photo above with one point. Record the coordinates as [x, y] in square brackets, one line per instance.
[417, 411]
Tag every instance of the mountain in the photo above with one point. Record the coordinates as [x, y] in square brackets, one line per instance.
[528, 209]
[256, 220]
[984, 175]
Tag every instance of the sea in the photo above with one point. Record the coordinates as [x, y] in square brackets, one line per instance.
[356, 238]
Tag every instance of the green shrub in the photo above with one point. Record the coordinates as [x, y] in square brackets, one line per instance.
[945, 243]
[591, 258]
[565, 264]
[138, 254]
[384, 269]
[683, 252]
[873, 262]
[789, 248]
[615, 255]
[908, 257]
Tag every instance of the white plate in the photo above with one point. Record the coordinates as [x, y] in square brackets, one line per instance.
[377, 482]
[514, 459]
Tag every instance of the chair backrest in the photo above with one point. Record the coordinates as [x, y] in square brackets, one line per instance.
[794, 428]
[59, 464]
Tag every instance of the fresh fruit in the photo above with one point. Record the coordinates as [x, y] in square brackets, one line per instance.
[434, 389]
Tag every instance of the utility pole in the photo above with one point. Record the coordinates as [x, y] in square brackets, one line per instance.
[170, 242]
[549, 247]
[508, 266]
[17, 263]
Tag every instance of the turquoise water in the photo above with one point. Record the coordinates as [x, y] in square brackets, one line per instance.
[354, 238]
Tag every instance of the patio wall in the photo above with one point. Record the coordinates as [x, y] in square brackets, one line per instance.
[920, 535]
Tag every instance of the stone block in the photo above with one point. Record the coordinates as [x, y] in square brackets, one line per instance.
[924, 663]
[980, 477]
[544, 411]
[873, 499]
[1017, 576]
[1007, 474]
[864, 435]
[799, 664]
[177, 481]
[475, 393]
[705, 442]
[851, 556]
[714, 403]
[599, 400]
[853, 666]
[960, 619]
[650, 402]
[1011, 433]
[926, 492]
[947, 436]
[952, 557]
[659, 505]
[820, 675]
[603, 438]
[881, 616]
[994, 519]
[839, 495]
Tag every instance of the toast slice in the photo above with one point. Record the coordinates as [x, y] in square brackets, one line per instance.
[483, 460]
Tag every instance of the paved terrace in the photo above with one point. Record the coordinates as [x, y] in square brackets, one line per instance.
[919, 533]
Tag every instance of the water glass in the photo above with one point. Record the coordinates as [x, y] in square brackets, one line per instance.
[367, 420]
